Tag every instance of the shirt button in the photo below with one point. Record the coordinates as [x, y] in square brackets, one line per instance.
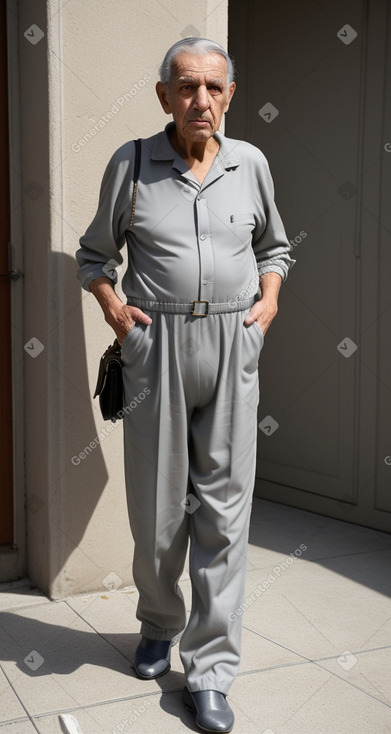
[202, 236]
[186, 189]
[204, 282]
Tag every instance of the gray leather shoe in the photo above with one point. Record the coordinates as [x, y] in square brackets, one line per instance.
[152, 658]
[211, 708]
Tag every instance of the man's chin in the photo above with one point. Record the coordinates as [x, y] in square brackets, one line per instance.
[198, 133]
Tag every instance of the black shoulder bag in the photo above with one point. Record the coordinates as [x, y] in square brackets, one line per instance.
[109, 385]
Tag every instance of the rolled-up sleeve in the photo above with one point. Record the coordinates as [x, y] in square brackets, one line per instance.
[270, 244]
[100, 246]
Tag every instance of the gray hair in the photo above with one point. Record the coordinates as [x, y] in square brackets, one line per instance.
[199, 46]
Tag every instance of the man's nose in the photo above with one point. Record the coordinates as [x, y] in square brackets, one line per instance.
[201, 100]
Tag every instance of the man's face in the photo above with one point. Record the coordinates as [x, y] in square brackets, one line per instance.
[197, 95]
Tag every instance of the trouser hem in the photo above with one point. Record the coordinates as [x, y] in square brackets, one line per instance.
[209, 684]
[154, 634]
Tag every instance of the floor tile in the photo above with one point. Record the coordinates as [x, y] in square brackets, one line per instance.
[305, 699]
[55, 660]
[10, 706]
[259, 653]
[160, 713]
[19, 727]
[369, 671]
[282, 529]
[315, 611]
[17, 596]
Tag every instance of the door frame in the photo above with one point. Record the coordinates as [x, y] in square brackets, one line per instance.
[13, 556]
[6, 446]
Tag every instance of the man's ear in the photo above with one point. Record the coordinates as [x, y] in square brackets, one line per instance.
[161, 91]
[231, 90]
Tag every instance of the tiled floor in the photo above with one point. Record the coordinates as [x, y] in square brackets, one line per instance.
[316, 654]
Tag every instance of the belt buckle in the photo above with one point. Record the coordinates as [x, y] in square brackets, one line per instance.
[197, 313]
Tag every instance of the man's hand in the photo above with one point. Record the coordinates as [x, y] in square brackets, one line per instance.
[118, 315]
[265, 310]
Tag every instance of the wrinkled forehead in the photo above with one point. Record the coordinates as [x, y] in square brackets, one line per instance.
[207, 66]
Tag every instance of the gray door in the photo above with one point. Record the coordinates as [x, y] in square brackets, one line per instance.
[314, 94]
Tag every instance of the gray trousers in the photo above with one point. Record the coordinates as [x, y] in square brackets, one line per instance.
[191, 392]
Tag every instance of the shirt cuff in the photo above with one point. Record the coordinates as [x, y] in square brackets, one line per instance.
[88, 273]
[262, 270]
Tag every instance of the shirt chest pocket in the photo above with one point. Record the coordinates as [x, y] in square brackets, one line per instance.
[243, 219]
[242, 227]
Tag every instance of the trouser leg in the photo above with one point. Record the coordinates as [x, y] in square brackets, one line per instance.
[203, 383]
[222, 467]
[156, 473]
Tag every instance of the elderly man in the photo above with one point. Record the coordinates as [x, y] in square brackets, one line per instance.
[207, 255]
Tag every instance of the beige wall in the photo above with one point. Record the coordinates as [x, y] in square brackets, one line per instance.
[93, 53]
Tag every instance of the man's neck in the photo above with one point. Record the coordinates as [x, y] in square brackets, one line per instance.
[193, 151]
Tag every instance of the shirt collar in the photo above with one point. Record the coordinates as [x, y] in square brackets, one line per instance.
[162, 149]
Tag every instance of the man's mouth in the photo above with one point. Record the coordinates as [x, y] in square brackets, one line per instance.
[200, 122]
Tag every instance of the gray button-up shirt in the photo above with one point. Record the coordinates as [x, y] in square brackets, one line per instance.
[189, 240]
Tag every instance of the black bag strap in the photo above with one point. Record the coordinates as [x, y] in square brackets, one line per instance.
[136, 174]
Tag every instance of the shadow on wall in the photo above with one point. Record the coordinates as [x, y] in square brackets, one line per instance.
[77, 475]
[70, 545]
